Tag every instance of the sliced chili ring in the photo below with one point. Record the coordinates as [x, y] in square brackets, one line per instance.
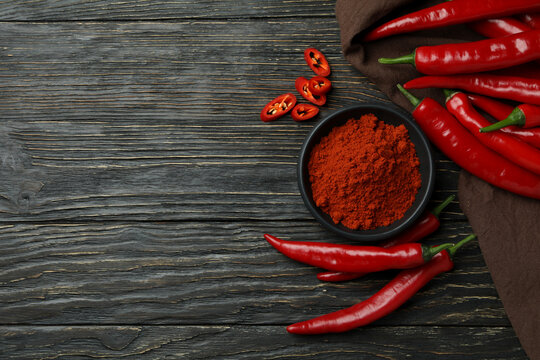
[317, 62]
[278, 107]
[319, 85]
[303, 112]
[301, 85]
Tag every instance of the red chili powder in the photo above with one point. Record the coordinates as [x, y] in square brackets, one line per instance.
[365, 174]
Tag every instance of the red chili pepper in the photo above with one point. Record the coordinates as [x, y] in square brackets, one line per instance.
[301, 85]
[472, 57]
[500, 111]
[427, 224]
[319, 85]
[494, 28]
[507, 87]
[451, 13]
[389, 298]
[513, 149]
[464, 149]
[278, 107]
[524, 115]
[533, 20]
[350, 258]
[317, 62]
[303, 112]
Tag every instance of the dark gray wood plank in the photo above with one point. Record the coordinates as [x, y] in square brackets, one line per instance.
[209, 273]
[164, 10]
[160, 121]
[256, 342]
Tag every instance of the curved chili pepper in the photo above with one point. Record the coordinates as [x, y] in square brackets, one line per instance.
[451, 13]
[319, 85]
[507, 87]
[500, 111]
[278, 107]
[317, 62]
[533, 20]
[427, 224]
[301, 85]
[466, 151]
[472, 57]
[350, 258]
[389, 298]
[494, 28]
[303, 112]
[524, 115]
[513, 149]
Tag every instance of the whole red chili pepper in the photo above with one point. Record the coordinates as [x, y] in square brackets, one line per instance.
[507, 87]
[524, 115]
[427, 224]
[303, 112]
[319, 85]
[494, 28]
[317, 62]
[472, 57]
[464, 149]
[278, 107]
[451, 13]
[513, 149]
[500, 111]
[389, 298]
[301, 85]
[351, 258]
[532, 19]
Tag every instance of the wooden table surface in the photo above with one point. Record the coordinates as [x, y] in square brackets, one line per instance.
[136, 182]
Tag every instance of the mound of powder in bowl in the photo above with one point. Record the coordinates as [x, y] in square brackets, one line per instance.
[365, 174]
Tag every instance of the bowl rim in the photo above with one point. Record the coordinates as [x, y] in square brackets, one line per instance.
[364, 235]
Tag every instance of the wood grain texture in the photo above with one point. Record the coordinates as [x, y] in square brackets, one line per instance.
[160, 121]
[61, 10]
[209, 273]
[256, 342]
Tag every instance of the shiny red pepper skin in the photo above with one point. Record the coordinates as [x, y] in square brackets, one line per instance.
[494, 28]
[533, 20]
[450, 13]
[319, 85]
[507, 87]
[301, 85]
[278, 107]
[317, 61]
[302, 112]
[465, 150]
[473, 57]
[389, 298]
[500, 111]
[350, 258]
[515, 150]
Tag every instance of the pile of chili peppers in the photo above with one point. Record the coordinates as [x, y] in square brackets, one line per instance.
[313, 90]
[420, 263]
[505, 153]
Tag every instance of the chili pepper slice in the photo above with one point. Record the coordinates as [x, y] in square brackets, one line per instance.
[524, 115]
[350, 258]
[513, 149]
[389, 298]
[464, 149]
[500, 86]
[472, 57]
[278, 107]
[317, 61]
[303, 112]
[427, 224]
[301, 85]
[451, 13]
[319, 85]
[533, 20]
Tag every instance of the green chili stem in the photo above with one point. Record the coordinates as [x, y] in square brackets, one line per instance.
[437, 210]
[430, 251]
[413, 99]
[454, 248]
[516, 117]
[449, 93]
[405, 59]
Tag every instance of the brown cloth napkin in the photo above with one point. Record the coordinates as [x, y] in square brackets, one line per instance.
[507, 225]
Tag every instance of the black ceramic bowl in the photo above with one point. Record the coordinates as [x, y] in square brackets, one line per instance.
[390, 114]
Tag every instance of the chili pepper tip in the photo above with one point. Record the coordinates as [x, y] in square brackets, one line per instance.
[516, 117]
[438, 209]
[413, 99]
[453, 249]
